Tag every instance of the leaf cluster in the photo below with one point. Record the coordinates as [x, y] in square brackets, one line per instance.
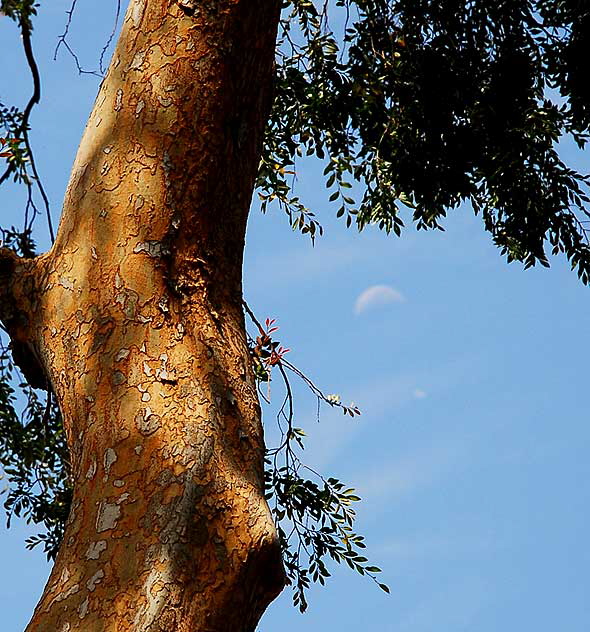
[315, 521]
[416, 107]
[12, 148]
[21, 11]
[314, 515]
[19, 240]
[33, 459]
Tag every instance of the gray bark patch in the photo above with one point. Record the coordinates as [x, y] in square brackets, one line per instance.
[152, 248]
[95, 579]
[147, 423]
[110, 456]
[108, 514]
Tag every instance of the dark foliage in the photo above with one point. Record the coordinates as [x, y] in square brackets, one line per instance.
[34, 459]
[419, 106]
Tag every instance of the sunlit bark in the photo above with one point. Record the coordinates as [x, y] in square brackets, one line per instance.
[135, 318]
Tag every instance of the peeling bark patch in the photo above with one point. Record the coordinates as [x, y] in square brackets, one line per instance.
[65, 575]
[119, 378]
[95, 579]
[139, 107]
[122, 355]
[95, 549]
[108, 514]
[163, 304]
[68, 284]
[188, 6]
[137, 62]
[118, 100]
[68, 593]
[128, 300]
[110, 456]
[163, 373]
[83, 608]
[91, 470]
[137, 13]
[152, 248]
[123, 497]
[147, 423]
[156, 593]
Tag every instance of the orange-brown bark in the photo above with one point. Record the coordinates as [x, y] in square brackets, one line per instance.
[135, 316]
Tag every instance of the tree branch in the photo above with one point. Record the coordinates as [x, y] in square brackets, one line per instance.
[16, 316]
[25, 28]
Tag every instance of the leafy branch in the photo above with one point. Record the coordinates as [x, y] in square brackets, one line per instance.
[314, 514]
[22, 12]
[34, 460]
[418, 108]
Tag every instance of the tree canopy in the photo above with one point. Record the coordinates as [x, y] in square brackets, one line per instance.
[428, 105]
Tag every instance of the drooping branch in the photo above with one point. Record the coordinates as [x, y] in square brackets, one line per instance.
[23, 17]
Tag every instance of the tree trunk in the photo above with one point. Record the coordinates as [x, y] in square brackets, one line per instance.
[135, 319]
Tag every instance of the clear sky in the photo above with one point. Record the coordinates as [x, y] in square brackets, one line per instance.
[471, 455]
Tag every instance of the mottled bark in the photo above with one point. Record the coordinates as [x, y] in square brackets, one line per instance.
[135, 318]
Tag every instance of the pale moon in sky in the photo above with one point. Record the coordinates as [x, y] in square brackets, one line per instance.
[375, 296]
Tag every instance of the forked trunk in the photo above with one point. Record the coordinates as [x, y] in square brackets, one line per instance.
[135, 318]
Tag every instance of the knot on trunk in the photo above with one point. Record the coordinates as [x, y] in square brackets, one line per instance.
[16, 316]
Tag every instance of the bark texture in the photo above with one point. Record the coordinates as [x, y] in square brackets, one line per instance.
[135, 319]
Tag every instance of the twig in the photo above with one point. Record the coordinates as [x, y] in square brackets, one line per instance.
[24, 126]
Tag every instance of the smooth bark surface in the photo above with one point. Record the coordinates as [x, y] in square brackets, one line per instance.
[135, 318]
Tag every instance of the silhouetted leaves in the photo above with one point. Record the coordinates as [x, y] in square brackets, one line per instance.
[417, 107]
[314, 515]
[34, 460]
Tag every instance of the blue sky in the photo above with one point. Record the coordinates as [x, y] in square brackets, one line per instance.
[471, 453]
